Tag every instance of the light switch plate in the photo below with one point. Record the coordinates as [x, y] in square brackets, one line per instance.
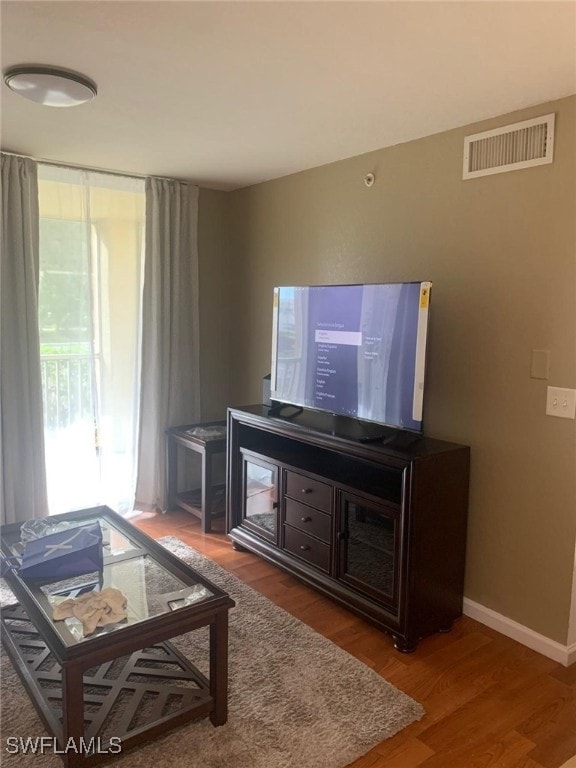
[561, 402]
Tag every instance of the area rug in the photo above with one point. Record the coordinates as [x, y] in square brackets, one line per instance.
[296, 700]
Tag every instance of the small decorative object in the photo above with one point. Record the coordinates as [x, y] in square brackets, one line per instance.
[43, 526]
[208, 433]
[64, 555]
[94, 609]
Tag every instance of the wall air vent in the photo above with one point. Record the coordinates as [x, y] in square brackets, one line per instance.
[509, 148]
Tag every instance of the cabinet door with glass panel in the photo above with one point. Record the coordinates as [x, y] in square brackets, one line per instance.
[260, 496]
[369, 547]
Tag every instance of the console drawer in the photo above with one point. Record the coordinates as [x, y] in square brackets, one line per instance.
[311, 492]
[306, 548]
[307, 519]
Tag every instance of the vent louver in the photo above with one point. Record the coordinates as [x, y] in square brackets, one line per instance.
[509, 148]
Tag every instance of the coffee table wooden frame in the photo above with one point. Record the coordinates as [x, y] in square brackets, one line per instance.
[76, 658]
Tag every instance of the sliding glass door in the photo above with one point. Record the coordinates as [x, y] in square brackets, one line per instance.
[91, 245]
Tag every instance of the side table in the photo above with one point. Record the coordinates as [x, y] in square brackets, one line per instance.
[206, 439]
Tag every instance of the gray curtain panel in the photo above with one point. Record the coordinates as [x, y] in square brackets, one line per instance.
[170, 380]
[23, 472]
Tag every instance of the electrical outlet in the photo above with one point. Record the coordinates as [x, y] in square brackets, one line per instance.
[561, 402]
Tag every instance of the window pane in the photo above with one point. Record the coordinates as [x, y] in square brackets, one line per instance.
[64, 294]
[91, 228]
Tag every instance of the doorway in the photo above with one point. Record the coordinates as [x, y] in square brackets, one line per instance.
[89, 311]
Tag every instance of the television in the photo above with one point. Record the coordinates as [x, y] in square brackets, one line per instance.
[357, 351]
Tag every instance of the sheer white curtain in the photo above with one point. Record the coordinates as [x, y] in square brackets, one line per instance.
[170, 388]
[22, 476]
[91, 254]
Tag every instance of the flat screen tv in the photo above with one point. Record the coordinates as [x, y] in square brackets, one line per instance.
[352, 350]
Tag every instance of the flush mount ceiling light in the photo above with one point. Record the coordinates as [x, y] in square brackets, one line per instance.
[50, 86]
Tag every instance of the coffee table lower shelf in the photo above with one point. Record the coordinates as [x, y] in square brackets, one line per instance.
[126, 701]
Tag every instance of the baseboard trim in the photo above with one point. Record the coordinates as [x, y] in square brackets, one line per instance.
[564, 654]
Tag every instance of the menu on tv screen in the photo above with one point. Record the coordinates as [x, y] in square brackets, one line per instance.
[353, 350]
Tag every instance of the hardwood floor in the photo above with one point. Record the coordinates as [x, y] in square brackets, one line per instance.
[490, 702]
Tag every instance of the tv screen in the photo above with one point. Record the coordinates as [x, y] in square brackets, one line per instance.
[352, 350]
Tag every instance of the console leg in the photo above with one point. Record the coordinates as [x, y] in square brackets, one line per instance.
[404, 645]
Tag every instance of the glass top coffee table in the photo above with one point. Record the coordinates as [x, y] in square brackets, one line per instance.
[122, 683]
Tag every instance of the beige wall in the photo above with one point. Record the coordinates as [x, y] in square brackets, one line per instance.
[500, 251]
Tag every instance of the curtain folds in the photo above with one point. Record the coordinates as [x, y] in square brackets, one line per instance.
[170, 382]
[23, 476]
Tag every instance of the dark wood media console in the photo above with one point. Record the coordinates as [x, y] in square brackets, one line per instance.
[381, 528]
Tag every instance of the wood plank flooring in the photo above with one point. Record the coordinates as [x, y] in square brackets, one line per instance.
[490, 702]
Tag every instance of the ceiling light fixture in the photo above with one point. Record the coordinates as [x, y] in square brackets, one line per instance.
[50, 86]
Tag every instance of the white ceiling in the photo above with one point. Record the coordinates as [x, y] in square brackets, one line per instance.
[228, 94]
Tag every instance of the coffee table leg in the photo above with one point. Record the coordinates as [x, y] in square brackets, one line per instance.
[219, 668]
[72, 714]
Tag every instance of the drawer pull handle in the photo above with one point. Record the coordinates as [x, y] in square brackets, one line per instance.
[304, 547]
[306, 519]
[306, 490]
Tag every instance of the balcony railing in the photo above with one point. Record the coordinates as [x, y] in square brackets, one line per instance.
[67, 389]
